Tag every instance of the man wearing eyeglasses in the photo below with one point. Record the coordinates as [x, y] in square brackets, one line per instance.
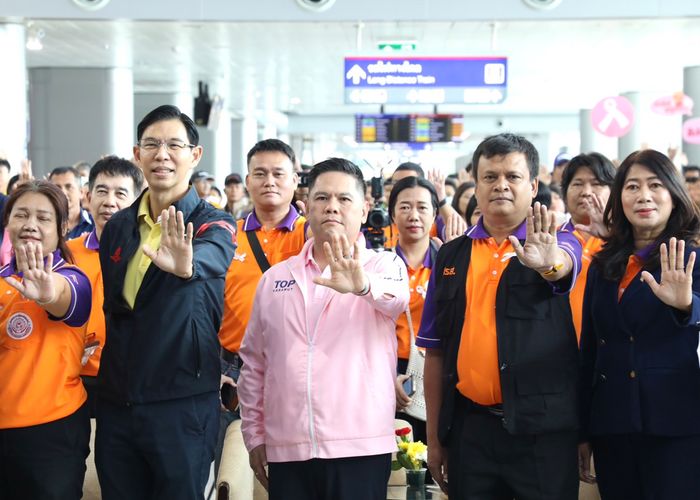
[163, 261]
[691, 173]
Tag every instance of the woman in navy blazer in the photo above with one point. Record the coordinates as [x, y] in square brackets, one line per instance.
[640, 403]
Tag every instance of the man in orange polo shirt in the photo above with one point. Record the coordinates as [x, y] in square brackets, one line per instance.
[271, 233]
[497, 325]
[114, 184]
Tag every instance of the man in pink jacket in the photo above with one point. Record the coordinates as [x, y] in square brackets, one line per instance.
[317, 384]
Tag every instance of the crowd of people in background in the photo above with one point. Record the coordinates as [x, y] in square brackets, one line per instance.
[556, 309]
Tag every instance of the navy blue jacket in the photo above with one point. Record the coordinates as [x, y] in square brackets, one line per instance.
[166, 347]
[640, 370]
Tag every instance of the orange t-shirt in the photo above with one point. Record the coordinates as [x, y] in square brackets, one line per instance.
[418, 285]
[86, 253]
[477, 364]
[278, 244]
[590, 248]
[39, 363]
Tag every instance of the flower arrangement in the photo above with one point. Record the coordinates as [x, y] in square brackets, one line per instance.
[411, 455]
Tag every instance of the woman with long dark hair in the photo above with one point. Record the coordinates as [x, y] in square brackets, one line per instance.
[640, 377]
[44, 301]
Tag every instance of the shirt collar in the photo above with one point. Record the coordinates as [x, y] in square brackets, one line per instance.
[427, 260]
[11, 269]
[479, 232]
[644, 253]
[253, 224]
[91, 241]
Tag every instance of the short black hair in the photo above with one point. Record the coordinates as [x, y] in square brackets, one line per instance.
[544, 195]
[411, 182]
[337, 165]
[409, 165]
[5, 163]
[599, 165]
[469, 211]
[168, 112]
[504, 144]
[66, 170]
[272, 145]
[113, 166]
[687, 168]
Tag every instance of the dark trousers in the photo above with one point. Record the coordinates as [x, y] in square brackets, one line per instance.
[156, 450]
[352, 478]
[91, 387]
[487, 463]
[45, 461]
[647, 467]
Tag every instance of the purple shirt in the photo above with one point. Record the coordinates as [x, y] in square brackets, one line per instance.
[80, 292]
[430, 338]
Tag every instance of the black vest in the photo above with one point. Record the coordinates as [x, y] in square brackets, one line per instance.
[537, 348]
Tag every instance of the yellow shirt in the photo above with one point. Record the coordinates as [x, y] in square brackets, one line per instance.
[149, 231]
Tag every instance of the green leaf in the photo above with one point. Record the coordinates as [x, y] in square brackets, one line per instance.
[395, 465]
[403, 459]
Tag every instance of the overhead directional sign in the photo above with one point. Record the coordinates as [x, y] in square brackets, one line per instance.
[425, 80]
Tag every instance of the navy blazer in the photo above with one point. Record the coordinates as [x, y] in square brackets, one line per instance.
[640, 371]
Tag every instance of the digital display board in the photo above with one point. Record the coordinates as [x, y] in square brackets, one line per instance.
[409, 128]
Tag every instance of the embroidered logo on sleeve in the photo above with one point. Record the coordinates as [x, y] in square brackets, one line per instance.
[117, 255]
[19, 326]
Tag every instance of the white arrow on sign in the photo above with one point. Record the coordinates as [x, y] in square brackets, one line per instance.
[356, 73]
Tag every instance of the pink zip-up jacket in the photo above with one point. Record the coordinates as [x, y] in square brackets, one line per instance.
[323, 390]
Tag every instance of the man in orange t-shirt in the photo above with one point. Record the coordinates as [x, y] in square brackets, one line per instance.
[271, 233]
[114, 183]
[501, 353]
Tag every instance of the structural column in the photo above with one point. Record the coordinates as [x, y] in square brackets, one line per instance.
[13, 95]
[650, 130]
[593, 141]
[79, 114]
[691, 88]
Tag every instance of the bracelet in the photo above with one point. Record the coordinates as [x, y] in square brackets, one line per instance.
[553, 270]
[442, 203]
[364, 291]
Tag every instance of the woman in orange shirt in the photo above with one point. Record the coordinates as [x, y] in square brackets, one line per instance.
[44, 301]
[586, 185]
[413, 207]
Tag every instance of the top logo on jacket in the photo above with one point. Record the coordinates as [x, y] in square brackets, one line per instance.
[283, 285]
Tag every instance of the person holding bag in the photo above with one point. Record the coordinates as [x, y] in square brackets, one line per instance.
[413, 207]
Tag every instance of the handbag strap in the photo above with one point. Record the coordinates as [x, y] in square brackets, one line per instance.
[262, 261]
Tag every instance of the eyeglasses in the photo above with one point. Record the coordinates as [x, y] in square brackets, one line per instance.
[173, 146]
[692, 180]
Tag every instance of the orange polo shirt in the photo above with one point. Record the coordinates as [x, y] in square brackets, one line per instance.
[40, 355]
[634, 267]
[590, 248]
[418, 286]
[86, 253]
[477, 364]
[278, 244]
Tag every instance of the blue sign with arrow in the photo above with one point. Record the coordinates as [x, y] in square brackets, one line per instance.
[425, 80]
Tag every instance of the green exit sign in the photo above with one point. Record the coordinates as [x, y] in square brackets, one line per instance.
[397, 46]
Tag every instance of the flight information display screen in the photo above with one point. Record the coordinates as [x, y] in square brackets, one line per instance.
[409, 128]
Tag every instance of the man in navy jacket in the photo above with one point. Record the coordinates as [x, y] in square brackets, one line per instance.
[163, 261]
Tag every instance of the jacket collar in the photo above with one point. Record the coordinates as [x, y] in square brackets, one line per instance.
[186, 204]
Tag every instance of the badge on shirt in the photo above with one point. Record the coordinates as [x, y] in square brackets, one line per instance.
[239, 257]
[19, 326]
